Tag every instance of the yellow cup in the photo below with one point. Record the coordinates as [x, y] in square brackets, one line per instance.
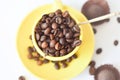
[57, 5]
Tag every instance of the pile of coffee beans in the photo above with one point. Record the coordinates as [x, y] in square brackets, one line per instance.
[32, 54]
[57, 34]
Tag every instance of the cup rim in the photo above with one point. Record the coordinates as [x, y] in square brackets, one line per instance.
[60, 58]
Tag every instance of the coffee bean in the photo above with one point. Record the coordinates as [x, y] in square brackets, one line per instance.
[116, 42]
[39, 43]
[64, 65]
[68, 20]
[52, 50]
[30, 37]
[74, 56]
[30, 49]
[69, 35]
[51, 14]
[57, 53]
[94, 30]
[69, 40]
[69, 50]
[65, 14]
[43, 38]
[118, 19]
[60, 34]
[44, 25]
[54, 25]
[69, 59]
[65, 31]
[37, 36]
[76, 43]
[76, 28]
[57, 38]
[52, 36]
[57, 66]
[76, 35]
[58, 12]
[92, 70]
[55, 32]
[92, 64]
[57, 46]
[39, 62]
[62, 52]
[99, 50]
[45, 61]
[62, 26]
[22, 78]
[36, 58]
[44, 44]
[30, 56]
[62, 41]
[58, 20]
[52, 43]
[47, 31]
[36, 55]
[34, 50]
[71, 24]
[48, 20]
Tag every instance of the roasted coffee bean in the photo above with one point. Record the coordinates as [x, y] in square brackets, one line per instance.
[57, 66]
[54, 25]
[62, 52]
[69, 59]
[52, 50]
[51, 14]
[47, 31]
[52, 43]
[74, 56]
[45, 61]
[76, 43]
[62, 26]
[22, 78]
[39, 43]
[69, 50]
[36, 55]
[57, 46]
[116, 42]
[92, 70]
[44, 25]
[36, 58]
[69, 40]
[44, 44]
[30, 56]
[39, 62]
[30, 37]
[59, 20]
[64, 65]
[71, 24]
[57, 53]
[76, 28]
[58, 12]
[48, 20]
[52, 36]
[43, 38]
[118, 19]
[60, 34]
[57, 38]
[37, 29]
[76, 35]
[65, 31]
[92, 64]
[69, 35]
[55, 32]
[34, 50]
[65, 14]
[99, 50]
[37, 36]
[62, 41]
[68, 20]
[30, 49]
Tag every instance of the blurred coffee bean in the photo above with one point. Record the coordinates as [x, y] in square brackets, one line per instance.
[52, 43]
[44, 25]
[37, 36]
[44, 44]
[54, 25]
[43, 38]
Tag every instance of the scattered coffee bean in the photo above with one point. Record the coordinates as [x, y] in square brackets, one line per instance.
[92, 70]
[39, 62]
[74, 56]
[30, 56]
[30, 37]
[64, 65]
[99, 50]
[45, 61]
[36, 55]
[57, 66]
[69, 59]
[116, 42]
[22, 78]
[30, 49]
[94, 30]
[118, 19]
[92, 64]
[36, 58]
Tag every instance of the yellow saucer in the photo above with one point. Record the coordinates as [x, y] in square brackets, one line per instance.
[47, 71]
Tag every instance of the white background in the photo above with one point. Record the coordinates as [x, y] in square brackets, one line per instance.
[12, 12]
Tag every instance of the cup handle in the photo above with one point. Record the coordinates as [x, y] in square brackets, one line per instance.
[58, 4]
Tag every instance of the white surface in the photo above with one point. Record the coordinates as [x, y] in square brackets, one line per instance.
[13, 12]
